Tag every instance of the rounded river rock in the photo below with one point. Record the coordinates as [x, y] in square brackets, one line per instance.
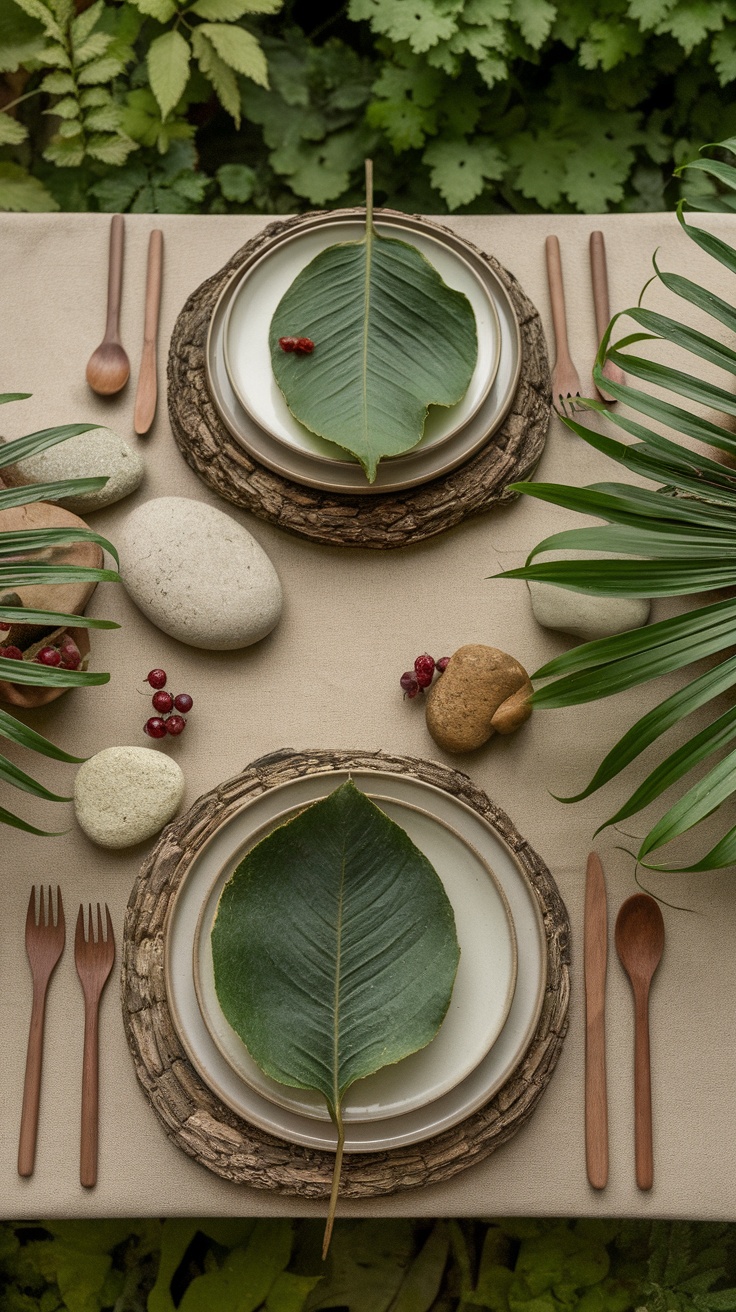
[198, 575]
[96, 454]
[483, 691]
[126, 794]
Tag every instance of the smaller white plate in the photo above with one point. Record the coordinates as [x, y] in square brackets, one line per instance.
[481, 997]
[262, 286]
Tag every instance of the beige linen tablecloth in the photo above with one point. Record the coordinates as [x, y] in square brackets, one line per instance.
[328, 676]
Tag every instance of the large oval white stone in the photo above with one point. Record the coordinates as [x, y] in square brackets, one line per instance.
[99, 453]
[583, 616]
[126, 794]
[197, 574]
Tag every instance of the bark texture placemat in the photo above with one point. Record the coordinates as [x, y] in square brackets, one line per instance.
[209, 1131]
[394, 519]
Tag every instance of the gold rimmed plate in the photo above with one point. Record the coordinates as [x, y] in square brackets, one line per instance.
[311, 461]
[481, 998]
[222, 851]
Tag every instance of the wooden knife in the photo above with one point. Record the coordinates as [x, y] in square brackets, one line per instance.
[596, 954]
[145, 400]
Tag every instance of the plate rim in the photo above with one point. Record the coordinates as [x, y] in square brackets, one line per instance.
[275, 821]
[313, 480]
[529, 1031]
[235, 288]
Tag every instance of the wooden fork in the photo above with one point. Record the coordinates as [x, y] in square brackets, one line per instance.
[94, 958]
[565, 377]
[44, 944]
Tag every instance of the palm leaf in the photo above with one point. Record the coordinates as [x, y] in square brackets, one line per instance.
[682, 535]
[15, 573]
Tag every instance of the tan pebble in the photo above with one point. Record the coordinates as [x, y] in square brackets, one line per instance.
[482, 691]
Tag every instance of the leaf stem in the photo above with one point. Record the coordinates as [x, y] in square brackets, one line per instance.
[368, 194]
[337, 1170]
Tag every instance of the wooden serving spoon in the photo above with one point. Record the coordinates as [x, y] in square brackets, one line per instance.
[108, 368]
[639, 943]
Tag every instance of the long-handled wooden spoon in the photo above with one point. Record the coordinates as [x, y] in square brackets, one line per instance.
[639, 943]
[599, 279]
[145, 397]
[108, 367]
[596, 955]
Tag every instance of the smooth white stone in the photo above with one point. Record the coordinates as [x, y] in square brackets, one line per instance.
[577, 613]
[99, 453]
[126, 794]
[198, 575]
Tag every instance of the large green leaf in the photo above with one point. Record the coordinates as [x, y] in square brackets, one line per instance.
[390, 339]
[334, 950]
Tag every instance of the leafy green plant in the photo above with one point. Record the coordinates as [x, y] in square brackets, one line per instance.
[16, 573]
[299, 928]
[395, 356]
[682, 536]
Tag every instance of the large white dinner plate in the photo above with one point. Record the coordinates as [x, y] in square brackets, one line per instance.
[258, 291]
[429, 459]
[481, 996]
[410, 1127]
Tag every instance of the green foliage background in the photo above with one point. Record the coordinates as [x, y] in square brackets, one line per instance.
[271, 105]
[374, 1266]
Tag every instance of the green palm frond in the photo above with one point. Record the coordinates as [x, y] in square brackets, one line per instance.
[16, 573]
[682, 537]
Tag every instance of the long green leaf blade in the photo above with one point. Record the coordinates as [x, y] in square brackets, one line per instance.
[690, 339]
[21, 447]
[15, 822]
[14, 396]
[26, 575]
[660, 469]
[624, 504]
[68, 487]
[700, 298]
[664, 541]
[56, 619]
[720, 856]
[17, 732]
[699, 802]
[629, 578]
[48, 676]
[674, 380]
[17, 541]
[11, 774]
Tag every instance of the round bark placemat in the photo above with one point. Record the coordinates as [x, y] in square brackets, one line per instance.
[335, 519]
[197, 1121]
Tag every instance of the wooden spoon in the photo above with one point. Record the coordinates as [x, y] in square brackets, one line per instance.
[639, 943]
[595, 955]
[108, 368]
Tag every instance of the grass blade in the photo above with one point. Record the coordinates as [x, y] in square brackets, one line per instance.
[48, 676]
[679, 334]
[662, 541]
[698, 803]
[68, 487]
[19, 779]
[22, 575]
[720, 856]
[621, 503]
[16, 541]
[7, 818]
[628, 578]
[17, 732]
[56, 619]
[21, 447]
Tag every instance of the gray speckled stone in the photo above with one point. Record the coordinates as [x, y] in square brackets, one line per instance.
[88, 455]
[126, 794]
[198, 575]
[578, 614]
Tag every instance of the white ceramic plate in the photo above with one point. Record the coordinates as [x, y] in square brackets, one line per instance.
[258, 291]
[410, 1127]
[481, 997]
[425, 462]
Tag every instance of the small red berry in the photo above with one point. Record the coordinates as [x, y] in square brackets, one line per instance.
[304, 345]
[175, 724]
[5, 628]
[424, 670]
[156, 678]
[442, 664]
[183, 702]
[14, 653]
[288, 344]
[162, 702]
[49, 656]
[155, 727]
[409, 683]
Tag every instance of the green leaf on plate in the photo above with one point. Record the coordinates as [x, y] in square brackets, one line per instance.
[391, 339]
[334, 950]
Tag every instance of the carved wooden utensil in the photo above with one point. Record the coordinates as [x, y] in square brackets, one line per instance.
[639, 943]
[108, 367]
[145, 397]
[94, 958]
[565, 377]
[599, 278]
[596, 956]
[44, 945]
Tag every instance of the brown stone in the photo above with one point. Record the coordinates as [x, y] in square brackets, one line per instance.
[482, 691]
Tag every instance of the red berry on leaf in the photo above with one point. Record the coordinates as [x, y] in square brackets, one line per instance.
[442, 664]
[162, 701]
[183, 702]
[14, 653]
[304, 345]
[288, 344]
[155, 727]
[48, 656]
[175, 724]
[156, 678]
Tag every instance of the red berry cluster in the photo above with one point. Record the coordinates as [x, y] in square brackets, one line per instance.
[297, 345]
[412, 681]
[164, 704]
[67, 655]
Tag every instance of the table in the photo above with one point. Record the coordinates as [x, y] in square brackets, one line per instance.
[328, 676]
